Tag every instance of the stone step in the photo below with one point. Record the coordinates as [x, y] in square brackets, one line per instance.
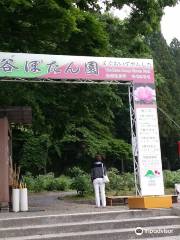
[21, 220]
[88, 226]
[116, 234]
[163, 238]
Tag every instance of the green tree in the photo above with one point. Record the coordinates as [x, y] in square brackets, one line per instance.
[78, 120]
[167, 96]
[35, 153]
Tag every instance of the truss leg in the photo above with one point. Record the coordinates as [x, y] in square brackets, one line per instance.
[134, 139]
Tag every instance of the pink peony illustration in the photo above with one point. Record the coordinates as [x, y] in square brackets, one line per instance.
[157, 172]
[144, 94]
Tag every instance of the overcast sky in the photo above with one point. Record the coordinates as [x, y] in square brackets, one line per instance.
[170, 23]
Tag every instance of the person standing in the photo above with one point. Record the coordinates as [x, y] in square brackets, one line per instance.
[98, 170]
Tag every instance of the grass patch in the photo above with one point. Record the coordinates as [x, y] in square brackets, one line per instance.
[168, 191]
[77, 197]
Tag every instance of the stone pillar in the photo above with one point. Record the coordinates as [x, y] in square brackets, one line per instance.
[4, 163]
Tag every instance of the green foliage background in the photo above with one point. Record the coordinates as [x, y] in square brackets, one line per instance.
[71, 123]
[80, 181]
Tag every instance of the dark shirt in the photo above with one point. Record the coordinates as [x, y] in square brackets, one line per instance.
[98, 170]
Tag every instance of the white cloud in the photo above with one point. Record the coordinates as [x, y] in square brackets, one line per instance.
[170, 23]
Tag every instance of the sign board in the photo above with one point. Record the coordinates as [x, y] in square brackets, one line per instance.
[22, 65]
[148, 143]
[150, 167]
[138, 71]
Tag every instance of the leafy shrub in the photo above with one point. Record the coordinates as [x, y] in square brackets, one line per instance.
[61, 183]
[47, 183]
[39, 183]
[120, 182]
[128, 179]
[82, 184]
[116, 181]
[75, 171]
[30, 181]
[171, 177]
[33, 184]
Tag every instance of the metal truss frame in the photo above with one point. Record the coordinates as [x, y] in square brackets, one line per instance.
[70, 81]
[134, 139]
[106, 82]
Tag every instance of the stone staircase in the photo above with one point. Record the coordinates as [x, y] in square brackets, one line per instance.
[109, 225]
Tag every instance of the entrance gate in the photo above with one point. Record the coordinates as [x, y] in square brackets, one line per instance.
[136, 73]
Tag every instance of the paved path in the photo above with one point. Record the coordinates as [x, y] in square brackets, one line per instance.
[54, 202]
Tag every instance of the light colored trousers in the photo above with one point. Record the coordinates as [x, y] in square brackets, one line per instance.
[99, 189]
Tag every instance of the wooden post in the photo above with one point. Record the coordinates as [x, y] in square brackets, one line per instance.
[4, 163]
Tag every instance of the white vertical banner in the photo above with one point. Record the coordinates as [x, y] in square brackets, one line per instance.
[149, 151]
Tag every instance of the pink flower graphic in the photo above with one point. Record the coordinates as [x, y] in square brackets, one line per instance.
[144, 94]
[157, 172]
